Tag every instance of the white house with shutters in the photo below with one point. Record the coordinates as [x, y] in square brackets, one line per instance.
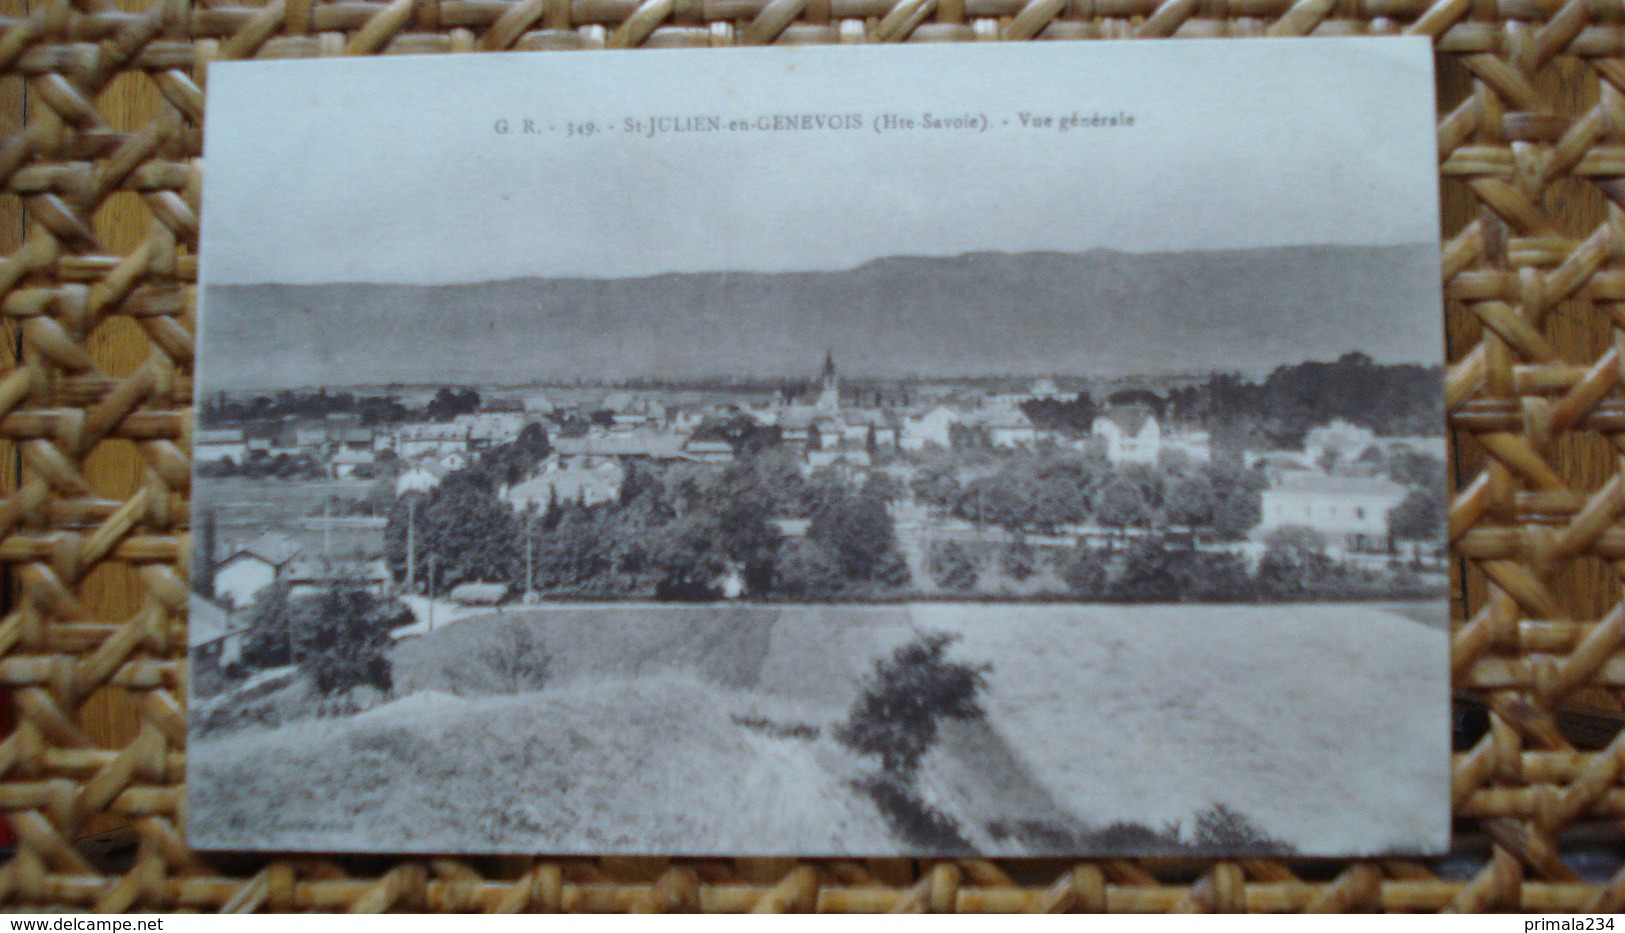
[1350, 512]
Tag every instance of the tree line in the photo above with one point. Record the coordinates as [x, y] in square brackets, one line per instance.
[674, 531]
[1046, 490]
[1390, 399]
[1160, 568]
[1278, 410]
[448, 402]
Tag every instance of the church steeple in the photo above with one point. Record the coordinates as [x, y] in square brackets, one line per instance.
[829, 395]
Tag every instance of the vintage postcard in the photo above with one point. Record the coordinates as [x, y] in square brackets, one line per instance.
[1002, 449]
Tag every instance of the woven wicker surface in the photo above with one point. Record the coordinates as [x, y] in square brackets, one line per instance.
[98, 226]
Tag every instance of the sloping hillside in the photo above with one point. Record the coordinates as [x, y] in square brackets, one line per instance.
[711, 729]
[652, 764]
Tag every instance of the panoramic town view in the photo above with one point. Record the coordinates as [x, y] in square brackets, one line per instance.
[651, 597]
[818, 489]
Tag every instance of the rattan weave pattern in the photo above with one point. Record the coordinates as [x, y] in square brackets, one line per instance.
[99, 228]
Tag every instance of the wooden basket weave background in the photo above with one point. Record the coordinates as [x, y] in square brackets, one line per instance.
[102, 107]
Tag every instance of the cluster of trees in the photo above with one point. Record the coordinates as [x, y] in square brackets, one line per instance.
[1074, 416]
[461, 528]
[1280, 409]
[448, 403]
[745, 434]
[1397, 399]
[1157, 569]
[1295, 566]
[675, 532]
[338, 637]
[1046, 490]
[280, 466]
[1420, 516]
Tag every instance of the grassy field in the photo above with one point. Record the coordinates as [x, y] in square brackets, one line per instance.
[710, 729]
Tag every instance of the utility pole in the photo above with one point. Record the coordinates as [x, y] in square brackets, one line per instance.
[431, 592]
[412, 545]
[327, 526]
[530, 590]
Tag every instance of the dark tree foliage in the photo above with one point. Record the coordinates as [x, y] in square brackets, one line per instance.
[1074, 417]
[777, 473]
[635, 482]
[906, 698]
[1238, 502]
[1159, 570]
[717, 521]
[1420, 516]
[576, 557]
[885, 487]
[346, 640]
[1146, 397]
[807, 570]
[1218, 576]
[969, 438]
[937, 484]
[571, 425]
[1122, 503]
[272, 621]
[203, 569]
[954, 566]
[1019, 560]
[552, 511]
[1392, 400]
[743, 504]
[1419, 471]
[462, 527]
[1190, 502]
[1084, 570]
[510, 463]
[370, 409]
[742, 432]
[450, 402]
[1038, 491]
[690, 557]
[1151, 571]
[918, 823]
[1295, 564]
[855, 528]
[281, 466]
[1221, 829]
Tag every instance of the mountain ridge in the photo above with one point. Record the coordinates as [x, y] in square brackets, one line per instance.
[1039, 313]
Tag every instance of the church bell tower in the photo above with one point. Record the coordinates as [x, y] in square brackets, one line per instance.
[829, 395]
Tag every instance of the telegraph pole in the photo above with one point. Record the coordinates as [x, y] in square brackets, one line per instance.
[431, 592]
[530, 590]
[412, 545]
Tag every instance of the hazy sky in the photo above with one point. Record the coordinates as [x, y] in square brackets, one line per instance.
[391, 170]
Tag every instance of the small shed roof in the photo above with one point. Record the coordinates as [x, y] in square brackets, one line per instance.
[273, 548]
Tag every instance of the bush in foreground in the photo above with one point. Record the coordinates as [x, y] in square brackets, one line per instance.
[906, 698]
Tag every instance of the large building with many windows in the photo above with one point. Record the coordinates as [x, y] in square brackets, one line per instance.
[1350, 512]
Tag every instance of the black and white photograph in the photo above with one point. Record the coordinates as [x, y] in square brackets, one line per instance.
[828, 451]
